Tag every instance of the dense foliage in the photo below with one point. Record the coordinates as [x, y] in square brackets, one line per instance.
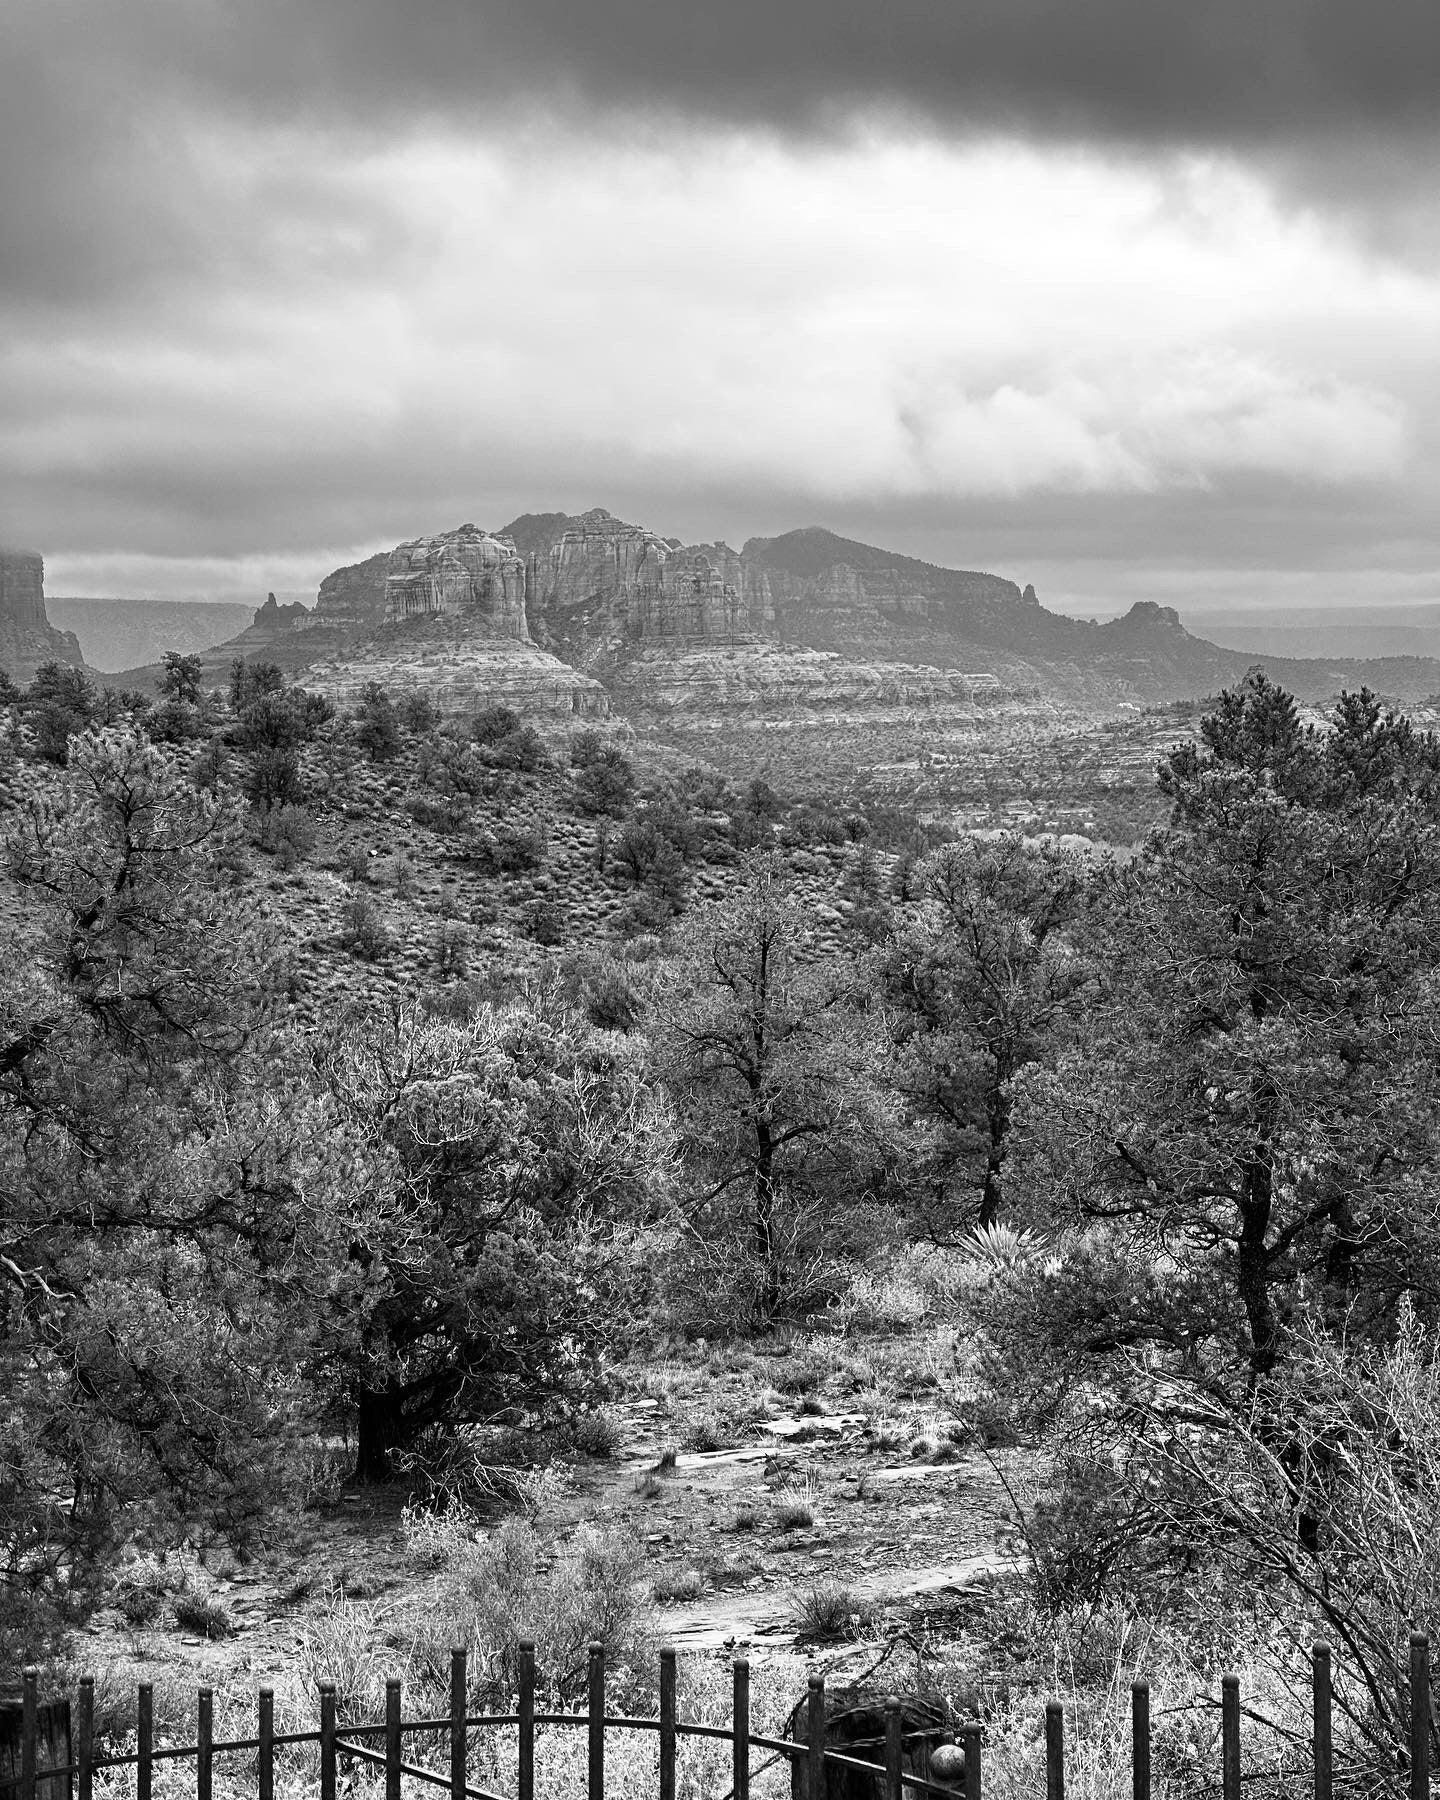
[1181, 1107]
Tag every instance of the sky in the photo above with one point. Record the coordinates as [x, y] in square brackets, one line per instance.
[1126, 299]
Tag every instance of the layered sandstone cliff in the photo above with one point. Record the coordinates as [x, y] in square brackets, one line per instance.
[458, 669]
[27, 638]
[468, 572]
[701, 684]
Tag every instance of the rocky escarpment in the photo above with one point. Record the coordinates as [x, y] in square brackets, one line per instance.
[351, 600]
[706, 684]
[27, 638]
[694, 630]
[455, 630]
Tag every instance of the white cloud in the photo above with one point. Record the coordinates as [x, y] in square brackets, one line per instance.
[366, 336]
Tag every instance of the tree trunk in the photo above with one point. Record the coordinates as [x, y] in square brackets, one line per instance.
[997, 1110]
[1252, 1265]
[379, 1430]
[764, 1216]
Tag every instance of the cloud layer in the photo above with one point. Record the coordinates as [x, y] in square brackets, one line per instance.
[1003, 282]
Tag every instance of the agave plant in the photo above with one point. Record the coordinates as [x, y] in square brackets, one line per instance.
[1002, 1246]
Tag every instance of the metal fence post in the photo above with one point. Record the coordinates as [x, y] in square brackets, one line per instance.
[1321, 1739]
[1140, 1740]
[327, 1740]
[740, 1729]
[204, 1737]
[267, 1743]
[459, 1687]
[87, 1735]
[667, 1724]
[815, 1740]
[595, 1786]
[1230, 1736]
[526, 1776]
[144, 1740]
[1054, 1750]
[392, 1738]
[970, 1737]
[29, 1730]
[1419, 1716]
[894, 1747]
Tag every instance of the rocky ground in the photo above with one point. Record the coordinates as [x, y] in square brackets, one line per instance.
[843, 1471]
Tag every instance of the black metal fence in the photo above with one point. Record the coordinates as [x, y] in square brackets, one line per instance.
[816, 1765]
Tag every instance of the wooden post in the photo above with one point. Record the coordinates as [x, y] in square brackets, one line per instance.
[144, 1740]
[1054, 1750]
[204, 1737]
[894, 1747]
[87, 1736]
[1230, 1736]
[1419, 1716]
[37, 1743]
[595, 1782]
[667, 1724]
[267, 1743]
[327, 1740]
[815, 1740]
[29, 1730]
[1321, 1738]
[740, 1728]
[392, 1738]
[1140, 1740]
[459, 1687]
[970, 1737]
[526, 1779]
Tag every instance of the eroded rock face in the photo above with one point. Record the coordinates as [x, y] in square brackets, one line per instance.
[468, 572]
[601, 566]
[459, 668]
[352, 600]
[27, 638]
[605, 587]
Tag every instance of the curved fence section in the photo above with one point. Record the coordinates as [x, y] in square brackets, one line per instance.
[42, 1759]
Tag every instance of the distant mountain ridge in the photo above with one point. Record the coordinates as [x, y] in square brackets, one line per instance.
[661, 624]
[120, 633]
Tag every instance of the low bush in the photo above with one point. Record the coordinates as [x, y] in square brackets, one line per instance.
[140, 1591]
[598, 1434]
[508, 1589]
[363, 931]
[286, 832]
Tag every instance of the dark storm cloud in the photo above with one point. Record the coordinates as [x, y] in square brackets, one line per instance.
[1143, 68]
[98, 193]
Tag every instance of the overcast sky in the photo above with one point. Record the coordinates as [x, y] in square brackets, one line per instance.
[1126, 298]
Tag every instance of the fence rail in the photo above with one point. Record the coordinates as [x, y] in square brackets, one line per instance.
[892, 1773]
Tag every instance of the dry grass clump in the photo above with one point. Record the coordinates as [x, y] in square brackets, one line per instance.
[205, 1614]
[707, 1433]
[685, 1585]
[828, 1611]
[794, 1508]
